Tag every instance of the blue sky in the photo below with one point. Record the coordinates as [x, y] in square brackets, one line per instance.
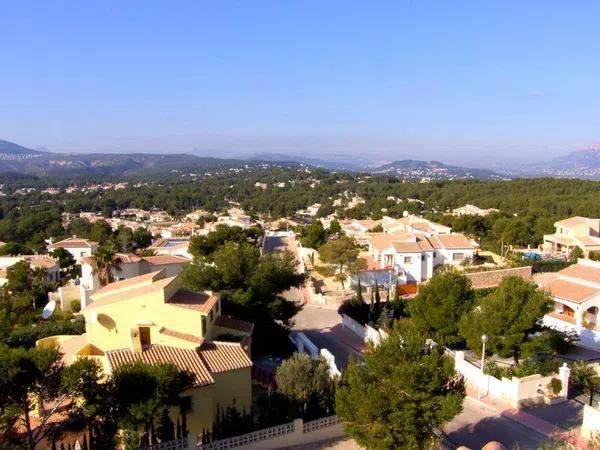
[451, 80]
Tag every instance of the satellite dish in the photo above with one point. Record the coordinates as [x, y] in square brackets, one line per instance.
[405, 214]
[48, 309]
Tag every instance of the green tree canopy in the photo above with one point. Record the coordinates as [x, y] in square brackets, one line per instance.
[440, 303]
[509, 316]
[404, 392]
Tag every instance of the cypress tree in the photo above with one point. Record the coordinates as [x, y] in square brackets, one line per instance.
[359, 295]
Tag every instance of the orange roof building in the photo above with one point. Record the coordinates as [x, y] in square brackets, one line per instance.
[575, 291]
[151, 318]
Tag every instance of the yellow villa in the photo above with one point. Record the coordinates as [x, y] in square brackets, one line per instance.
[152, 318]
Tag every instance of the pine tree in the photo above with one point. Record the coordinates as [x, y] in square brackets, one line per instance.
[178, 429]
[359, 295]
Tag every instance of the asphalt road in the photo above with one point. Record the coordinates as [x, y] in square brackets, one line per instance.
[323, 326]
[477, 425]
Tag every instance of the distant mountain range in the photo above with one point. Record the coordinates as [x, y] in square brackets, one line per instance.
[411, 169]
[18, 159]
[578, 164]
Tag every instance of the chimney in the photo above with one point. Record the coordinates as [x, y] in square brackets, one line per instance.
[136, 343]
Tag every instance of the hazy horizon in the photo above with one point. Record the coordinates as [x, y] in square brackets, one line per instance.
[461, 82]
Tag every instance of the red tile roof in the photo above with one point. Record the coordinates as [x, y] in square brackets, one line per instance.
[234, 324]
[165, 259]
[224, 356]
[582, 272]
[73, 242]
[573, 292]
[492, 278]
[197, 301]
[183, 359]
[182, 336]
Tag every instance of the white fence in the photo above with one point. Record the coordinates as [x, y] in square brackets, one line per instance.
[296, 433]
[366, 332]
[305, 345]
[517, 392]
[590, 427]
[189, 442]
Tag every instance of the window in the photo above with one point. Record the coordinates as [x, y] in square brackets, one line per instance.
[203, 326]
[407, 260]
[210, 316]
[458, 256]
[145, 335]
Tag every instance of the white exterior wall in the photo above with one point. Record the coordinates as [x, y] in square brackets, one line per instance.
[79, 253]
[412, 269]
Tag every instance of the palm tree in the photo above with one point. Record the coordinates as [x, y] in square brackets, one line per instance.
[586, 377]
[106, 261]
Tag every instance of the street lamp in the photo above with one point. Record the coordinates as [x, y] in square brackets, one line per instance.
[484, 339]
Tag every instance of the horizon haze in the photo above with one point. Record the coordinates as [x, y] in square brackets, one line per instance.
[462, 82]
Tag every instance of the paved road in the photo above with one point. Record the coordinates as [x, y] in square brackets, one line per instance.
[478, 425]
[323, 326]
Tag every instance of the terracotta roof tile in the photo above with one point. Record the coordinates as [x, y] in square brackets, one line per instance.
[73, 242]
[183, 359]
[197, 301]
[234, 324]
[454, 240]
[572, 221]
[582, 272]
[165, 259]
[492, 278]
[224, 356]
[182, 336]
[573, 292]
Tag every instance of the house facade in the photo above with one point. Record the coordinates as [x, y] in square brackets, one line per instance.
[50, 265]
[151, 318]
[575, 291]
[77, 247]
[472, 210]
[129, 265]
[417, 255]
[577, 231]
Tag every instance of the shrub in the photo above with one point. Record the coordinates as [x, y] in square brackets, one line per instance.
[76, 306]
[555, 386]
[26, 336]
[528, 367]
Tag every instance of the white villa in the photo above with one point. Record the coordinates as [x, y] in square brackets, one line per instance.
[576, 294]
[472, 210]
[50, 265]
[130, 265]
[418, 254]
[77, 247]
[413, 224]
[577, 231]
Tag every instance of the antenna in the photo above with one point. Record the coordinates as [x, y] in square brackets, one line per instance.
[48, 309]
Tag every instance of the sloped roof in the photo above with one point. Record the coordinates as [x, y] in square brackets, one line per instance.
[163, 260]
[572, 221]
[567, 290]
[129, 288]
[224, 356]
[196, 301]
[453, 240]
[73, 242]
[183, 359]
[583, 272]
[234, 324]
[183, 336]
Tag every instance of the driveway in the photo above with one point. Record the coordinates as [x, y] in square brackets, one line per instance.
[478, 424]
[323, 326]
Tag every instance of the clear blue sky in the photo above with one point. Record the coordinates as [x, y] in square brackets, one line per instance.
[451, 80]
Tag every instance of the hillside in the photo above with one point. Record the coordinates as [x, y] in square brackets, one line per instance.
[579, 164]
[411, 169]
[17, 159]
